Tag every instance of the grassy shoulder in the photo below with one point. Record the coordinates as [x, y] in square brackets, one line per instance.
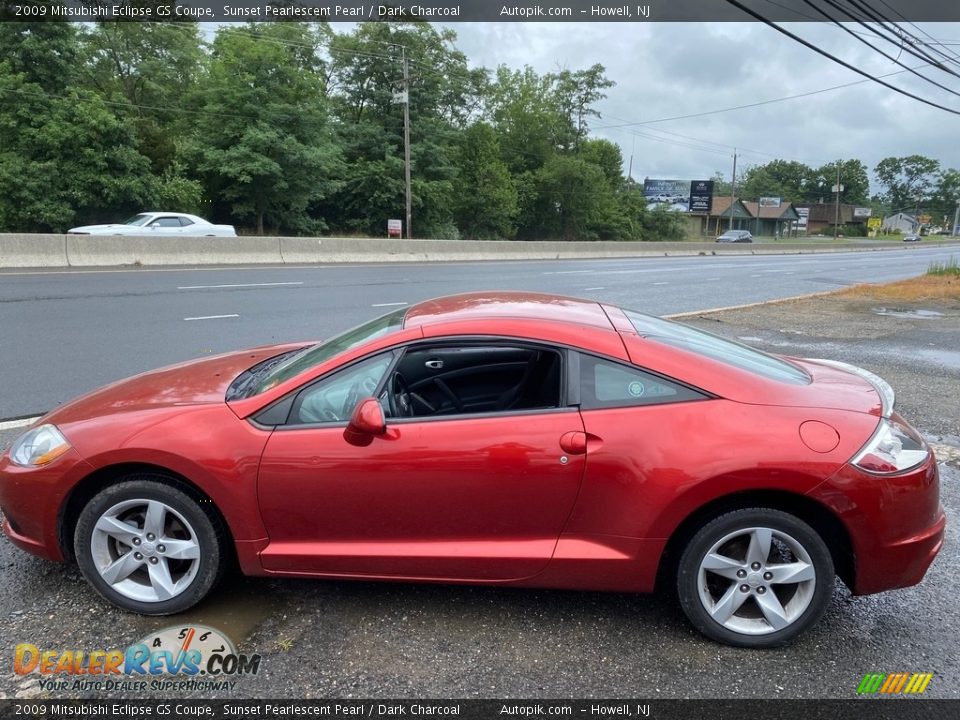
[940, 283]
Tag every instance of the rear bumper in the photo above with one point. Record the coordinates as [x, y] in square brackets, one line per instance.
[896, 523]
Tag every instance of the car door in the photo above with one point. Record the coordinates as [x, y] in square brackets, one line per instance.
[471, 495]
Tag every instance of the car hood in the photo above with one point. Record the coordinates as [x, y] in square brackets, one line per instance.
[109, 226]
[194, 382]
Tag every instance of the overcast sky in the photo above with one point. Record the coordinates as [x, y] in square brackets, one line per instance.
[663, 70]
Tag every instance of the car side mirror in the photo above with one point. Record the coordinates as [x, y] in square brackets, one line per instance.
[366, 423]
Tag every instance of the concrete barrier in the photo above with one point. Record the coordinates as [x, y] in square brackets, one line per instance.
[109, 250]
[26, 250]
[32, 251]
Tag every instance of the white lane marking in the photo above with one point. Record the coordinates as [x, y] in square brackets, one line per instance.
[396, 304]
[23, 422]
[660, 283]
[211, 317]
[593, 288]
[236, 285]
[709, 279]
[754, 276]
[567, 272]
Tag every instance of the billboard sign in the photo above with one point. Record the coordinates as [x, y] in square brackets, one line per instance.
[773, 202]
[394, 228]
[672, 194]
[804, 214]
[701, 196]
[862, 213]
[874, 223]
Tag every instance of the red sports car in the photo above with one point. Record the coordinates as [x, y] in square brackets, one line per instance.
[500, 438]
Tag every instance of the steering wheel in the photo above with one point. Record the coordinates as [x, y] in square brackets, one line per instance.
[400, 404]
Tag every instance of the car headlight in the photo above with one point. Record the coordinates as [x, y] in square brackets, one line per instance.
[39, 446]
[893, 448]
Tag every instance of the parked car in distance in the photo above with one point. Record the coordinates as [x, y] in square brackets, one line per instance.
[735, 236]
[912, 237]
[492, 438]
[158, 223]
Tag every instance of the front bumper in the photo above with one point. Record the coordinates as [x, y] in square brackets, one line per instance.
[31, 499]
[895, 522]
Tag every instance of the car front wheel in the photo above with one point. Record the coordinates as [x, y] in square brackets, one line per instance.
[149, 547]
[755, 578]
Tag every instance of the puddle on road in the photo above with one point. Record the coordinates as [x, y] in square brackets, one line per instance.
[236, 607]
[909, 314]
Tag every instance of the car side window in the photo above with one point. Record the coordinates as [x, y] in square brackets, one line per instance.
[334, 398]
[472, 379]
[184, 222]
[609, 384]
[166, 222]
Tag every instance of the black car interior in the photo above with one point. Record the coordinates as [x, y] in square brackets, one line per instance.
[452, 380]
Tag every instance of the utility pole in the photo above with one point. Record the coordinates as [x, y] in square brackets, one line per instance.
[406, 141]
[956, 220]
[836, 219]
[733, 188]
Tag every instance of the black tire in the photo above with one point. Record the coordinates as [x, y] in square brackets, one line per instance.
[184, 519]
[802, 603]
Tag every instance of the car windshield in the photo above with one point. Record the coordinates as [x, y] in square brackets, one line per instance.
[717, 348]
[137, 220]
[316, 354]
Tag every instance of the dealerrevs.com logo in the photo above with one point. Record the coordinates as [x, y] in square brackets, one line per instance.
[894, 683]
[178, 658]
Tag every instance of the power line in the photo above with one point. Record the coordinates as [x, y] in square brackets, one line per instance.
[837, 60]
[874, 48]
[754, 104]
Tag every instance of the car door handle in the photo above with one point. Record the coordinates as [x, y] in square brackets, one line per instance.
[574, 442]
[434, 364]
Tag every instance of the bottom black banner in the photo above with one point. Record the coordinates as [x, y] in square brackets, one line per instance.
[866, 708]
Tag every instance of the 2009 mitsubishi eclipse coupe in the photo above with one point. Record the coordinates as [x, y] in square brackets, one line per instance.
[499, 438]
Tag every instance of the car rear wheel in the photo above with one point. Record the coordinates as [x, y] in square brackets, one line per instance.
[149, 547]
[755, 578]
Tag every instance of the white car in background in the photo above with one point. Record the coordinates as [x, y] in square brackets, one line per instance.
[158, 223]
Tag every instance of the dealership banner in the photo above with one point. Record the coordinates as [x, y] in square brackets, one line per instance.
[701, 196]
[862, 212]
[774, 202]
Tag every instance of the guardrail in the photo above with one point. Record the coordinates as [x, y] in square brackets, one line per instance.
[61, 251]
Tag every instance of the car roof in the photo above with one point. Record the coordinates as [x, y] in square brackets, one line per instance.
[496, 306]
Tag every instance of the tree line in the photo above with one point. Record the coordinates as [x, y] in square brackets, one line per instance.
[913, 183]
[292, 128]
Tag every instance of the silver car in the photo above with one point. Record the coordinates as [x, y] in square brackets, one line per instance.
[735, 236]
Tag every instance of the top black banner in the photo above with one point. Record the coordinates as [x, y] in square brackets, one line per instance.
[447, 11]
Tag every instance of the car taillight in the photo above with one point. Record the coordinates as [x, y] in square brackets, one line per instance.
[893, 448]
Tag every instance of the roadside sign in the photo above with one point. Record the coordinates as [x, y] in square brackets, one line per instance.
[873, 223]
[394, 228]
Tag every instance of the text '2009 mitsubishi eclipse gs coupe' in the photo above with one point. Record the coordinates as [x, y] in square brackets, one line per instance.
[499, 438]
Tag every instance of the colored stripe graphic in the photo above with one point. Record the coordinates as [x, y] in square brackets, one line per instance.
[894, 683]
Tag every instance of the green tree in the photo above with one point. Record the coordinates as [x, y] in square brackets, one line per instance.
[485, 197]
[65, 158]
[907, 181]
[148, 71]
[853, 178]
[787, 179]
[263, 141]
[366, 76]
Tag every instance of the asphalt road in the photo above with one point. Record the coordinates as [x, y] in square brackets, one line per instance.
[66, 332]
